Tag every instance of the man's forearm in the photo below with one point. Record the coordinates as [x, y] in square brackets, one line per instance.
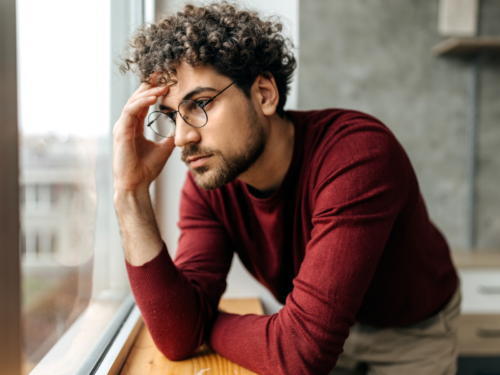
[141, 237]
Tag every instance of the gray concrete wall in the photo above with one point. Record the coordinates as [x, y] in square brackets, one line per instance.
[488, 181]
[373, 56]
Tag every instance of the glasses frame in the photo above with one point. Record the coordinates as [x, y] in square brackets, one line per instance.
[201, 106]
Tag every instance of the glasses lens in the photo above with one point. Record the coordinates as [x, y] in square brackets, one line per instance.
[192, 113]
[162, 124]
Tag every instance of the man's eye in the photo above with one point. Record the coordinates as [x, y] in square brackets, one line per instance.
[172, 115]
[202, 103]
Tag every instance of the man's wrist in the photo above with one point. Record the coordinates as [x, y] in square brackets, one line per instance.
[141, 237]
[127, 198]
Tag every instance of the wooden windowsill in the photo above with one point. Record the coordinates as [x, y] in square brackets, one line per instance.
[145, 358]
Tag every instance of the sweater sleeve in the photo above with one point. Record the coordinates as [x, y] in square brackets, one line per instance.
[356, 200]
[178, 300]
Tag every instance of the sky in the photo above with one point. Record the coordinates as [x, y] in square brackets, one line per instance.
[64, 67]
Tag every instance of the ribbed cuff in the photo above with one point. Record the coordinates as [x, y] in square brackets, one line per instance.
[154, 279]
[218, 335]
[241, 338]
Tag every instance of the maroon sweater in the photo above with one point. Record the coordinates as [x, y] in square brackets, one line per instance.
[346, 238]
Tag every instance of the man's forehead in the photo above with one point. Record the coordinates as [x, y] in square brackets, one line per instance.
[190, 79]
[187, 77]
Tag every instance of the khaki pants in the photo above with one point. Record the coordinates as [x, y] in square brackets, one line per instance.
[428, 347]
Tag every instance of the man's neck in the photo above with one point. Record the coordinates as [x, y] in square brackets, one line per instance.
[268, 172]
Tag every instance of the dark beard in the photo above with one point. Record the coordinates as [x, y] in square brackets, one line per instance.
[230, 168]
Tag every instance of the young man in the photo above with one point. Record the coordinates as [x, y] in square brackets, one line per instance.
[322, 207]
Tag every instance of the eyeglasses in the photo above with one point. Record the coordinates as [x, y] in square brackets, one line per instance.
[191, 111]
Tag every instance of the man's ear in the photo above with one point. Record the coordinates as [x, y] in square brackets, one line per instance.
[266, 93]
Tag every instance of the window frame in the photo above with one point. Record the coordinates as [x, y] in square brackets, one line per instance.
[10, 274]
[112, 348]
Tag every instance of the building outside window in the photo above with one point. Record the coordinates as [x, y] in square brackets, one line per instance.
[73, 286]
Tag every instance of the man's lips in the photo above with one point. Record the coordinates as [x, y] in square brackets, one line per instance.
[197, 161]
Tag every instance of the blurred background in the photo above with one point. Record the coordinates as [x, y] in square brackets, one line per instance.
[375, 56]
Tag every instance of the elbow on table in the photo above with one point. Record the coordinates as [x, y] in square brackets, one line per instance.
[175, 340]
[176, 351]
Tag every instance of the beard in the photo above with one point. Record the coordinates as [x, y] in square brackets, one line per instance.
[229, 168]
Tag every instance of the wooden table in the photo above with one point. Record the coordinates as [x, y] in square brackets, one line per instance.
[146, 359]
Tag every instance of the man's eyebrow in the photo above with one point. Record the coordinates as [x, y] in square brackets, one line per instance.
[164, 108]
[189, 95]
[198, 90]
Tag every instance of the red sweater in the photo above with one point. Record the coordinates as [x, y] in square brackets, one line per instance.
[346, 238]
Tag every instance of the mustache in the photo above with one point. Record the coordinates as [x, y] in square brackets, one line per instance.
[196, 150]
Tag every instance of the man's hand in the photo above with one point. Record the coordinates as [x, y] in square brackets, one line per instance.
[137, 161]
[136, 164]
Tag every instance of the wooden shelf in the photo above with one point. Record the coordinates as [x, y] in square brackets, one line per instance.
[466, 47]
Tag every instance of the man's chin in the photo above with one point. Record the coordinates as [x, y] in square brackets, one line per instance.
[200, 171]
[208, 178]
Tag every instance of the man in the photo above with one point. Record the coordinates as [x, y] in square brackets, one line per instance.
[322, 207]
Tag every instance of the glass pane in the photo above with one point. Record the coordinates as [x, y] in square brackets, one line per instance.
[193, 114]
[162, 124]
[68, 235]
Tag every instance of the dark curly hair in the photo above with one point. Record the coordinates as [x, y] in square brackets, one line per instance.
[236, 43]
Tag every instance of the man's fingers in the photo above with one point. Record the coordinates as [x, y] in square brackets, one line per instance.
[154, 91]
[137, 107]
[133, 115]
[153, 78]
[142, 87]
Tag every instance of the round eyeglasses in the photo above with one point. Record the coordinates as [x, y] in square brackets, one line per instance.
[191, 111]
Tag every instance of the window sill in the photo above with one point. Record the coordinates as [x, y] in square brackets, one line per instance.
[82, 346]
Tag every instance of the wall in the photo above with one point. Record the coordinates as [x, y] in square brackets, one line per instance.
[374, 56]
[240, 282]
[488, 180]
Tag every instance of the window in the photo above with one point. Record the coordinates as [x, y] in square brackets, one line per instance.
[73, 289]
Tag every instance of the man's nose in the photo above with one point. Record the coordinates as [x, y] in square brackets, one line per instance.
[185, 133]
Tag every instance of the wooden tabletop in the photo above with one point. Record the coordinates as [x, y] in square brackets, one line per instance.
[145, 359]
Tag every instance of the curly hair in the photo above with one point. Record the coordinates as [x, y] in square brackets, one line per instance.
[236, 43]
